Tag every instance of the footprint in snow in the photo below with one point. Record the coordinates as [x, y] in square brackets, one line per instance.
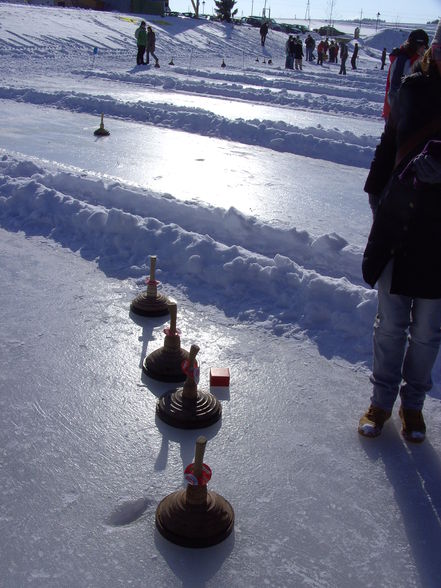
[128, 512]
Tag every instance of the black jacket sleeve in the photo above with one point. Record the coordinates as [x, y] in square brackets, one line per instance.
[384, 160]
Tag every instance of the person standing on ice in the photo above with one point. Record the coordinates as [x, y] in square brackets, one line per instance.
[151, 45]
[320, 52]
[289, 51]
[298, 53]
[383, 58]
[402, 60]
[332, 52]
[403, 253]
[263, 33]
[310, 46]
[354, 57]
[141, 41]
[343, 58]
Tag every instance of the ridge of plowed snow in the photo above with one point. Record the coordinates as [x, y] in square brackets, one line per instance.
[83, 213]
[331, 145]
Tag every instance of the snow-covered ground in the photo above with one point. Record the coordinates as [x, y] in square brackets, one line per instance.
[247, 183]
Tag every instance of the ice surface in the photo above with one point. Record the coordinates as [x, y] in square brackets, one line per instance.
[267, 279]
[85, 462]
[276, 188]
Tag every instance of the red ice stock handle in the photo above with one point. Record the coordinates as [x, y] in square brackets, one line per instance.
[168, 331]
[198, 473]
[193, 371]
[194, 480]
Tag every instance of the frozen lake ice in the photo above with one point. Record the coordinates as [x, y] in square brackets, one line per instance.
[279, 188]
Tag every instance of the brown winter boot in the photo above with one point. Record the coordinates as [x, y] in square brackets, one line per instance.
[414, 427]
[371, 423]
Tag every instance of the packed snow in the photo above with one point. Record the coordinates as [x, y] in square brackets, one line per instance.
[247, 183]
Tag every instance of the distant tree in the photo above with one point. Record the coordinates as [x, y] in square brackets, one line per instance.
[224, 9]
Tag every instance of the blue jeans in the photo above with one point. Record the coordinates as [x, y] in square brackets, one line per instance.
[407, 335]
[148, 53]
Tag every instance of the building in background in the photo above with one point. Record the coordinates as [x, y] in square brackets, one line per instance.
[159, 7]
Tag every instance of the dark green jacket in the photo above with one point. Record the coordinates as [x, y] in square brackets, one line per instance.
[141, 36]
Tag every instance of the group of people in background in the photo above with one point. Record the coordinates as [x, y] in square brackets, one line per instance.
[294, 53]
[330, 50]
[401, 58]
[326, 51]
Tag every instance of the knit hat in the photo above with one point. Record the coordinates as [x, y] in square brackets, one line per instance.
[436, 44]
[418, 37]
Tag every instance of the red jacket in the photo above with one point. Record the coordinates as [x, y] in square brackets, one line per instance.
[400, 65]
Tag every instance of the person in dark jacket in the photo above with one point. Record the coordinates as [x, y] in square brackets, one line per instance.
[141, 41]
[263, 33]
[383, 57]
[333, 48]
[298, 53]
[354, 57]
[343, 58]
[151, 44]
[289, 52]
[403, 253]
[310, 46]
[402, 60]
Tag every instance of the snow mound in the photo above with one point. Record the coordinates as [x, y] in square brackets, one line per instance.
[120, 227]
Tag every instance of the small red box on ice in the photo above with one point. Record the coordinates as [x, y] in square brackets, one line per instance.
[219, 376]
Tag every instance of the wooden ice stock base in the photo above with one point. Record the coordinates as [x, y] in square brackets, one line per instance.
[149, 302]
[165, 364]
[189, 407]
[101, 131]
[195, 517]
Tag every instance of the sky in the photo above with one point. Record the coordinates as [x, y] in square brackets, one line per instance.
[391, 11]
[247, 183]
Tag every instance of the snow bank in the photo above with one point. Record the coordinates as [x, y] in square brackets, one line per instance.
[209, 249]
[339, 147]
